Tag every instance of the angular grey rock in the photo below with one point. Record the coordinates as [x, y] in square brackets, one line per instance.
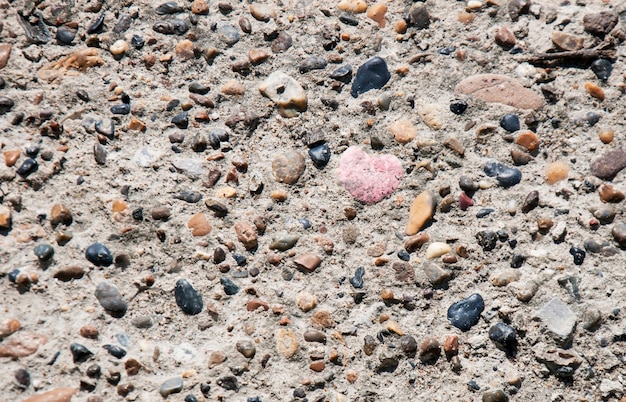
[558, 318]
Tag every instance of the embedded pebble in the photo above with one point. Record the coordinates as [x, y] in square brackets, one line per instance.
[286, 93]
[61, 394]
[403, 131]
[506, 176]
[558, 318]
[373, 74]
[286, 342]
[495, 88]
[288, 167]
[80, 353]
[307, 262]
[465, 313]
[437, 249]
[111, 299]
[436, 275]
[199, 225]
[171, 386]
[609, 164]
[421, 211]
[99, 255]
[188, 298]
[504, 336]
[602, 68]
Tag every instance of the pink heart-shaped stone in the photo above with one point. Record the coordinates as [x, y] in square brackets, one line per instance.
[369, 178]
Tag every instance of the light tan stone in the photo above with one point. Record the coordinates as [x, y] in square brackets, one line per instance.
[556, 172]
[496, 88]
[421, 211]
[286, 342]
[403, 131]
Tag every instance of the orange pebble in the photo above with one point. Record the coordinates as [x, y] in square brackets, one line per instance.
[119, 205]
[606, 136]
[377, 13]
[528, 140]
[556, 172]
[400, 26]
[594, 90]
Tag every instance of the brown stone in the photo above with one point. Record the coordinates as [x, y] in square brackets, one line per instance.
[23, 345]
[119, 205]
[184, 50]
[200, 7]
[609, 164]
[505, 276]
[606, 136]
[202, 100]
[421, 211]
[404, 272]
[216, 358]
[451, 345]
[5, 53]
[262, 12]
[8, 327]
[307, 262]
[352, 376]
[556, 171]
[429, 350]
[288, 167]
[322, 319]
[70, 272]
[520, 157]
[314, 336]
[400, 26]
[608, 193]
[233, 87]
[255, 304]
[199, 225]
[495, 88]
[377, 13]
[594, 90]
[257, 56]
[317, 366]
[161, 213]
[246, 235]
[566, 41]
[60, 214]
[132, 366]
[387, 295]
[528, 140]
[505, 38]
[601, 23]
[89, 331]
[5, 217]
[53, 395]
[11, 156]
[403, 131]
[416, 242]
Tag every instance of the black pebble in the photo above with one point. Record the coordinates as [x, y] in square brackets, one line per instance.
[123, 23]
[484, 212]
[97, 25]
[171, 105]
[94, 371]
[115, 351]
[504, 337]
[99, 255]
[187, 298]
[510, 122]
[197, 88]
[465, 313]
[240, 259]
[458, 106]
[592, 118]
[578, 254]
[6, 104]
[125, 98]
[169, 7]
[137, 42]
[320, 155]
[138, 214]
[403, 255]
[473, 385]
[343, 74]
[229, 286]
[82, 95]
[349, 20]
[506, 176]
[32, 151]
[602, 68]
[65, 36]
[22, 378]
[191, 398]
[305, 223]
[80, 353]
[181, 120]
[254, 399]
[28, 166]
[2, 82]
[517, 260]
[373, 74]
[487, 239]
[124, 108]
[228, 382]
[357, 280]
[43, 251]
[13, 275]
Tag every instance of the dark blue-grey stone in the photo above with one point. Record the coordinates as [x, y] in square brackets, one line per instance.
[592, 118]
[510, 122]
[349, 20]
[65, 36]
[188, 196]
[115, 351]
[240, 259]
[602, 68]
[458, 106]
[191, 398]
[123, 23]
[357, 280]
[578, 254]
[35, 31]
[373, 74]
[187, 298]
[97, 25]
[124, 108]
[506, 176]
[484, 212]
[504, 336]
[305, 223]
[137, 42]
[228, 34]
[169, 7]
[171, 386]
[229, 286]
[27, 167]
[111, 299]
[312, 63]
[43, 251]
[13, 275]
[80, 353]
[403, 255]
[99, 255]
[465, 313]
[32, 151]
[320, 155]
[487, 239]
[343, 74]
[181, 120]
[198, 88]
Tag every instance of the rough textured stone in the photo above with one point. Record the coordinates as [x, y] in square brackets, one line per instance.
[246, 235]
[495, 88]
[199, 225]
[188, 298]
[609, 164]
[558, 318]
[286, 342]
[22, 345]
[307, 262]
[403, 131]
[601, 23]
[288, 167]
[285, 92]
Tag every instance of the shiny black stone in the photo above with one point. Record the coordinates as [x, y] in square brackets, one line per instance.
[349, 20]
[343, 74]
[65, 36]
[403, 255]
[465, 313]
[115, 351]
[373, 74]
[229, 286]
[124, 108]
[197, 88]
[504, 336]
[181, 120]
[137, 42]
[191, 398]
[602, 68]
[28, 166]
[510, 122]
[99, 255]
[32, 151]
[487, 239]
[506, 176]
[97, 25]
[187, 298]
[484, 212]
[578, 254]
[357, 280]
[22, 378]
[82, 95]
[169, 7]
[458, 106]
[320, 155]
[138, 214]
[188, 196]
[592, 118]
[305, 223]
[80, 353]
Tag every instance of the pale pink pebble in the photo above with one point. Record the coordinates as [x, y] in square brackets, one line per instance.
[369, 178]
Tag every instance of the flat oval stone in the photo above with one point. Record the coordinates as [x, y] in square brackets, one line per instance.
[99, 255]
[312, 63]
[608, 165]
[288, 167]
[495, 88]
[54, 395]
[171, 386]
[187, 298]
[465, 313]
[110, 299]
[27, 167]
[228, 34]
[373, 74]
[284, 242]
[115, 351]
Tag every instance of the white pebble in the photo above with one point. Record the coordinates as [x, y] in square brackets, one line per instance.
[474, 4]
[512, 207]
[437, 249]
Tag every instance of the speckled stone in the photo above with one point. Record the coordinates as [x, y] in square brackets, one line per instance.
[609, 164]
[495, 88]
[288, 167]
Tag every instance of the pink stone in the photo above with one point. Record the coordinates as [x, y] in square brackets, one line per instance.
[369, 178]
[465, 201]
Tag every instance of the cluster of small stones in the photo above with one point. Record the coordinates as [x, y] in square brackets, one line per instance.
[245, 227]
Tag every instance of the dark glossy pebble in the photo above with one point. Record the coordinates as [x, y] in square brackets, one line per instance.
[138, 214]
[27, 167]
[115, 351]
[343, 74]
[176, 149]
[22, 378]
[349, 20]
[487, 239]
[403, 255]
[602, 68]
[240, 259]
[516, 50]
[125, 98]
[473, 386]
[65, 36]
[305, 223]
[181, 120]
[197, 88]
[188, 196]
[32, 151]
[123, 23]
[2, 82]
[124, 108]
[137, 42]
[34, 28]
[458, 106]
[373, 74]
[506, 176]
[99, 255]
[13, 275]
[504, 336]
[312, 63]
[578, 254]
[502, 235]
[468, 185]
[512, 243]
[320, 155]
[106, 127]
[171, 105]
[357, 280]
[171, 27]
[229, 286]
[484, 212]
[592, 118]
[80, 353]
[93, 371]
[465, 313]
[97, 25]
[531, 201]
[517, 260]
[6, 104]
[191, 398]
[43, 251]
[510, 122]
[82, 95]
[169, 7]
[187, 298]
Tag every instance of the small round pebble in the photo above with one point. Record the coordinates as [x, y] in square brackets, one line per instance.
[80, 353]
[458, 106]
[510, 122]
[43, 251]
